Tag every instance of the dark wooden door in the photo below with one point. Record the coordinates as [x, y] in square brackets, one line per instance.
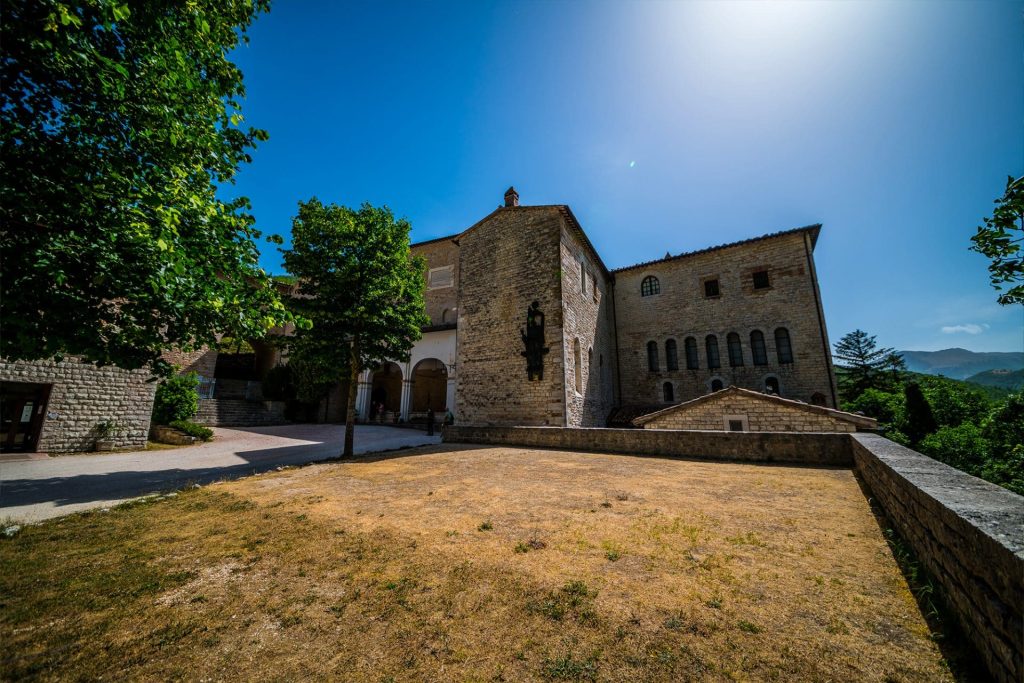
[22, 409]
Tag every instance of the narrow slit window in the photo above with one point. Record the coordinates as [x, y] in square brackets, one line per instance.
[711, 346]
[692, 359]
[782, 346]
[671, 355]
[652, 356]
[735, 350]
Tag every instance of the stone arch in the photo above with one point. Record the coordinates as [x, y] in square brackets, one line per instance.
[818, 399]
[429, 386]
[716, 383]
[770, 385]
[668, 393]
[386, 388]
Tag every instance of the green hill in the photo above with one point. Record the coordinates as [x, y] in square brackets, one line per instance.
[1005, 379]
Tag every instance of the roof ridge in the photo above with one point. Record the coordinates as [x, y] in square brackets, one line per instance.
[814, 227]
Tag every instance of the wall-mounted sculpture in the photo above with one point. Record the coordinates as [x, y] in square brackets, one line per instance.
[533, 338]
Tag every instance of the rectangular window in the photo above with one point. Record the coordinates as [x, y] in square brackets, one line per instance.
[711, 288]
[593, 288]
[439, 278]
[583, 276]
[736, 423]
[761, 280]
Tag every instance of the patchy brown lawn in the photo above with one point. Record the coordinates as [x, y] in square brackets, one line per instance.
[472, 564]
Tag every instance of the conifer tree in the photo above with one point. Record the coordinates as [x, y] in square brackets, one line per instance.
[920, 421]
[863, 364]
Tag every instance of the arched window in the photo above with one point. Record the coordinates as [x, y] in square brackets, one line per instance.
[716, 385]
[671, 355]
[444, 316]
[652, 356]
[771, 385]
[757, 348]
[667, 392]
[578, 365]
[692, 360]
[649, 286]
[782, 347]
[711, 346]
[818, 398]
[732, 341]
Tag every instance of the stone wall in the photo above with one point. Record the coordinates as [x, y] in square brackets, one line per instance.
[215, 412]
[83, 395]
[968, 533]
[508, 260]
[203, 361]
[762, 415]
[442, 302]
[589, 330]
[682, 310]
[776, 447]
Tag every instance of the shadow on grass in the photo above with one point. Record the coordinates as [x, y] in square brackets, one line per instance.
[964, 660]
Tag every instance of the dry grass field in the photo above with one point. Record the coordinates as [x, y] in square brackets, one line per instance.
[472, 564]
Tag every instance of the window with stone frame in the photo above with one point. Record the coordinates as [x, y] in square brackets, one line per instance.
[761, 280]
[711, 287]
[783, 349]
[593, 286]
[652, 356]
[650, 286]
[732, 341]
[671, 355]
[577, 366]
[757, 348]
[692, 357]
[440, 278]
[711, 347]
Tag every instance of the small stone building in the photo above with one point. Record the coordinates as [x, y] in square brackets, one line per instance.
[742, 410]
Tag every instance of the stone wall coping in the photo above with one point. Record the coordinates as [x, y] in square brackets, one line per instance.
[861, 421]
[997, 512]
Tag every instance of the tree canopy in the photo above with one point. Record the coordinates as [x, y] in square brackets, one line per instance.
[1000, 240]
[118, 123]
[361, 288]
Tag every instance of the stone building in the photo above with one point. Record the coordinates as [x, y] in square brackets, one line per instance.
[742, 410]
[747, 314]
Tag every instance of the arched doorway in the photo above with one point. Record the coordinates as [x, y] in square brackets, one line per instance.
[386, 391]
[429, 387]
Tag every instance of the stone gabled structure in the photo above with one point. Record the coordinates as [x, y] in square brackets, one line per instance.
[742, 410]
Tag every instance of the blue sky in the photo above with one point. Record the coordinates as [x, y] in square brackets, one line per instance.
[668, 127]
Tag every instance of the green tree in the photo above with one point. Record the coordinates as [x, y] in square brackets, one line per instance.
[963, 447]
[118, 124]
[360, 286]
[884, 406]
[919, 420]
[954, 403]
[862, 364]
[1000, 240]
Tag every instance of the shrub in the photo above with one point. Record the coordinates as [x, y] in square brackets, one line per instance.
[884, 406]
[962, 447]
[192, 429]
[177, 398]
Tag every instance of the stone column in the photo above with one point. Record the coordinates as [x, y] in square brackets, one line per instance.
[406, 400]
[449, 398]
[363, 390]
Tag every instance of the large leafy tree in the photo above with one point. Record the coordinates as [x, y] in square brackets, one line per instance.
[117, 125]
[1001, 239]
[864, 365]
[361, 288]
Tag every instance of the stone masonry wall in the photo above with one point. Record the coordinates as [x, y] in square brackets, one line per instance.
[681, 310]
[762, 416]
[507, 261]
[968, 533]
[82, 395]
[587, 320]
[215, 412]
[777, 447]
[203, 361]
[440, 253]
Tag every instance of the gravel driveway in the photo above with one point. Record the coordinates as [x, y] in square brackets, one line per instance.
[40, 488]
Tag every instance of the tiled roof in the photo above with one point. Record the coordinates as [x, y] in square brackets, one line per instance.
[812, 229]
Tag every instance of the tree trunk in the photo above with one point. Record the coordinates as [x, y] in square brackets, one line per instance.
[350, 411]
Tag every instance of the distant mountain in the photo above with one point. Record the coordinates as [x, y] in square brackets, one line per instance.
[960, 363]
[1006, 379]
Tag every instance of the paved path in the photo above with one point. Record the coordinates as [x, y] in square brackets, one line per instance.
[37, 489]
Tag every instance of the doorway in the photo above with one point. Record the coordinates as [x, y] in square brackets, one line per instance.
[22, 408]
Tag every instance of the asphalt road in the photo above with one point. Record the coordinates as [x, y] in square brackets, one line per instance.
[40, 488]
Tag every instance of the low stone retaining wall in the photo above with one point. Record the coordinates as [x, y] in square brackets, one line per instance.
[803, 448]
[215, 412]
[968, 533]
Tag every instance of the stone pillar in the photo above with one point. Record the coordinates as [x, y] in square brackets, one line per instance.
[449, 399]
[406, 400]
[363, 391]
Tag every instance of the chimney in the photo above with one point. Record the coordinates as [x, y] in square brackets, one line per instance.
[511, 197]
